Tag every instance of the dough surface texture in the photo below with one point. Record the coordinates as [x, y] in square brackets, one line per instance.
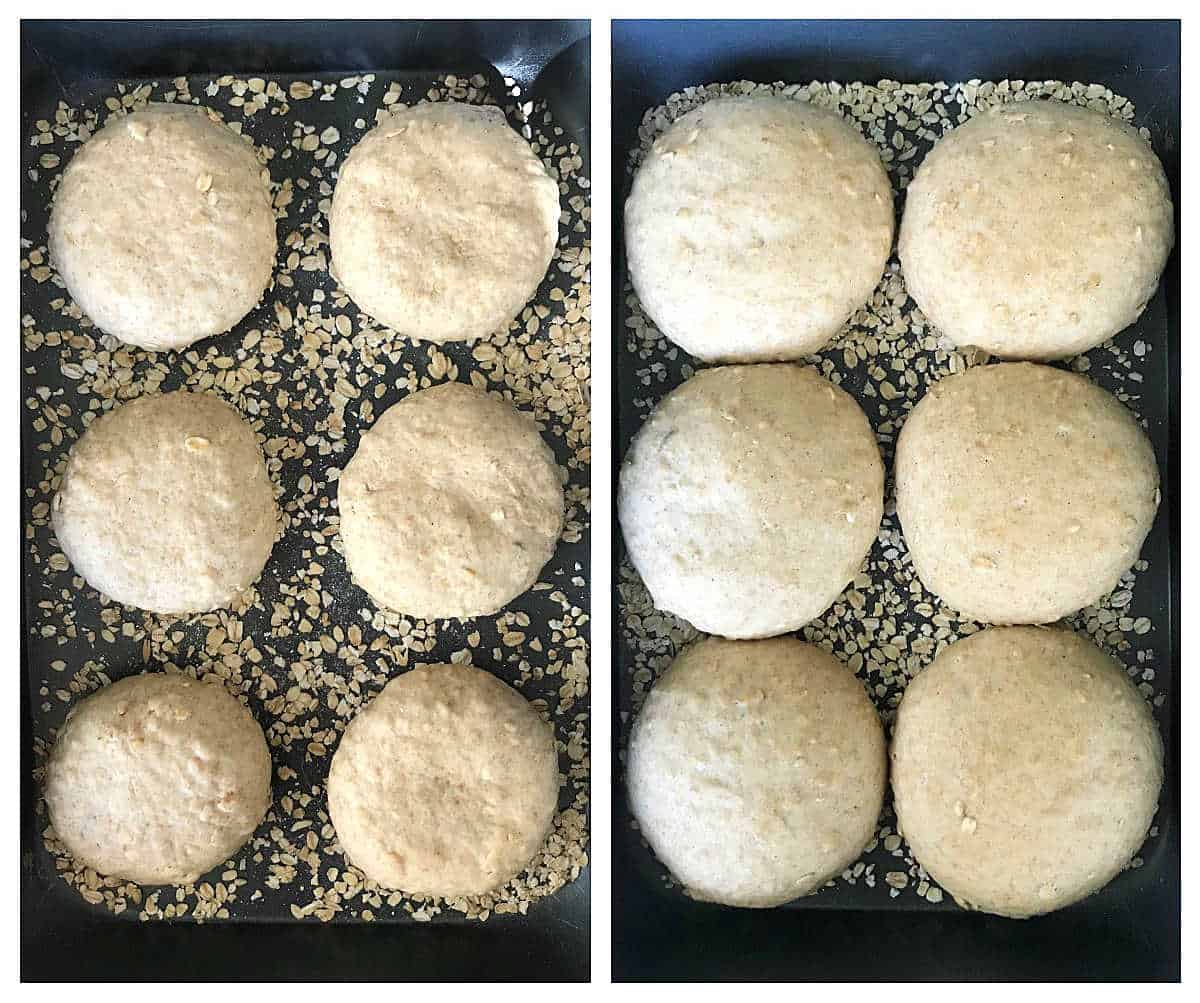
[756, 770]
[750, 497]
[445, 784]
[166, 504]
[158, 779]
[451, 506]
[1036, 231]
[1024, 492]
[443, 222]
[162, 227]
[756, 227]
[1026, 769]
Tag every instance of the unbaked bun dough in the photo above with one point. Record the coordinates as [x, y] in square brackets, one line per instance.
[451, 506]
[1036, 231]
[166, 504]
[756, 770]
[750, 497]
[1026, 769]
[162, 227]
[443, 222]
[445, 784]
[157, 779]
[1024, 492]
[756, 226]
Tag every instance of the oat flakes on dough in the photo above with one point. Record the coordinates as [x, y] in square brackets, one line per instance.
[162, 227]
[756, 770]
[451, 505]
[1026, 769]
[166, 504]
[158, 779]
[445, 784]
[756, 227]
[750, 497]
[443, 222]
[1036, 231]
[1024, 492]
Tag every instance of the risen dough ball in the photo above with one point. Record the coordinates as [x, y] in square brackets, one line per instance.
[445, 784]
[1026, 769]
[750, 498]
[451, 505]
[166, 504]
[756, 770]
[443, 222]
[1036, 231]
[158, 779]
[1024, 492]
[756, 227]
[162, 227]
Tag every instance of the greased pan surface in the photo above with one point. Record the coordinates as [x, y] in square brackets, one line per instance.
[886, 927]
[314, 402]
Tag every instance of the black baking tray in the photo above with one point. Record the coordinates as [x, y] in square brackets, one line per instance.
[1131, 930]
[62, 939]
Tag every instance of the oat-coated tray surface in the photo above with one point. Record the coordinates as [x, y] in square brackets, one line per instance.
[885, 625]
[307, 648]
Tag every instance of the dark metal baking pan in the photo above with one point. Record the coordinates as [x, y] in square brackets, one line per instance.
[64, 938]
[1131, 929]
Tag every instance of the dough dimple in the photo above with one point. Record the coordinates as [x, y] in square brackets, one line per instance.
[1037, 230]
[166, 504]
[1024, 492]
[756, 770]
[443, 222]
[750, 497]
[756, 226]
[445, 784]
[451, 506]
[1026, 769]
[162, 227]
[158, 778]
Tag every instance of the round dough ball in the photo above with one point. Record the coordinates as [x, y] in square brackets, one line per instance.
[1036, 231]
[756, 227]
[756, 770]
[162, 227]
[443, 222]
[445, 784]
[451, 506]
[158, 779]
[165, 504]
[1024, 492]
[750, 497]
[1026, 769]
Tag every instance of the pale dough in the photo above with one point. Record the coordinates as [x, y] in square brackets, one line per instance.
[1037, 230]
[1026, 769]
[158, 779]
[162, 227]
[756, 227]
[166, 504]
[1024, 492]
[451, 505]
[445, 784]
[750, 497]
[756, 770]
[443, 222]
